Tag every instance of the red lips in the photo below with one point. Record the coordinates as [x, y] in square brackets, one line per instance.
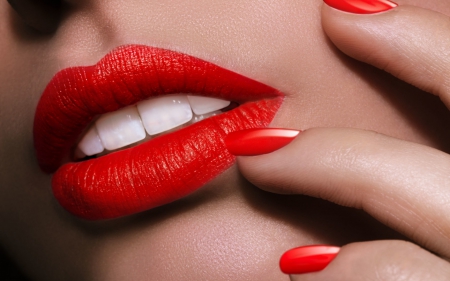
[161, 170]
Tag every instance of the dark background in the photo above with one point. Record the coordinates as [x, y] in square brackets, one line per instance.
[9, 270]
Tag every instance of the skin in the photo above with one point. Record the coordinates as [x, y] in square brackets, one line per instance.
[228, 230]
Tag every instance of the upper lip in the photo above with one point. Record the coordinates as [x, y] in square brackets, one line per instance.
[125, 76]
[81, 93]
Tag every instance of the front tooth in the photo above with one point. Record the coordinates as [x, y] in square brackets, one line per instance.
[120, 128]
[91, 144]
[202, 105]
[164, 113]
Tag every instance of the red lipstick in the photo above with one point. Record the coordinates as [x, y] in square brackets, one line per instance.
[162, 169]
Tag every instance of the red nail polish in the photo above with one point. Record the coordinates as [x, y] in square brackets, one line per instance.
[252, 142]
[361, 6]
[307, 259]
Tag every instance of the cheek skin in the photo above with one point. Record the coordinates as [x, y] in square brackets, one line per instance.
[229, 230]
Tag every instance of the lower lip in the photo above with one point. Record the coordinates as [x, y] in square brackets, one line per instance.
[159, 171]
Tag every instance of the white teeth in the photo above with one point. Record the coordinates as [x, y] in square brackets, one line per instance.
[164, 113]
[90, 144]
[120, 128]
[202, 105]
[129, 125]
[198, 118]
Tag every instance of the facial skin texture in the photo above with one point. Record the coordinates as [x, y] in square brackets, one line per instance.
[228, 230]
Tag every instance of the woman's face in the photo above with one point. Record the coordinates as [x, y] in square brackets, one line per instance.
[229, 229]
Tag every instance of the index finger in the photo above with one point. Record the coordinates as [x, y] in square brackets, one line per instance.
[402, 184]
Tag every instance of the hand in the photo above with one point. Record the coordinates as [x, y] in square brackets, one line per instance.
[404, 185]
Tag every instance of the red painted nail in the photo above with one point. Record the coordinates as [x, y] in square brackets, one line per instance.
[258, 141]
[361, 6]
[307, 259]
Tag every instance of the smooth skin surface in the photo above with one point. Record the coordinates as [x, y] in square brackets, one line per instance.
[231, 230]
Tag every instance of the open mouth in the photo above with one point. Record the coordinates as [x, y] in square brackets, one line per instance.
[135, 124]
[131, 122]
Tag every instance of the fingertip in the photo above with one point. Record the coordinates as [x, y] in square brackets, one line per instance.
[258, 141]
[307, 259]
[361, 6]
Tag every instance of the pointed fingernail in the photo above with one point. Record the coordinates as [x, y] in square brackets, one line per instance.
[307, 259]
[361, 6]
[252, 142]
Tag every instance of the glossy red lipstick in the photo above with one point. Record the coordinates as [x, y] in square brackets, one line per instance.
[161, 170]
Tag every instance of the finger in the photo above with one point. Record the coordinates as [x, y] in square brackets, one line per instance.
[380, 260]
[402, 184]
[409, 42]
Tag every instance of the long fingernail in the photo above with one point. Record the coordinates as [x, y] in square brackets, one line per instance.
[307, 259]
[361, 6]
[252, 142]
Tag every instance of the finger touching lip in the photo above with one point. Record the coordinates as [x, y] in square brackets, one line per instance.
[162, 169]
